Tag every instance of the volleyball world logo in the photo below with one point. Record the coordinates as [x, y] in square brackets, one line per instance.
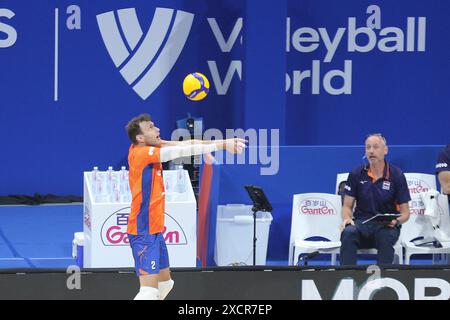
[144, 60]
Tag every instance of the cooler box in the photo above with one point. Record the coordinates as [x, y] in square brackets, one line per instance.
[234, 235]
[77, 248]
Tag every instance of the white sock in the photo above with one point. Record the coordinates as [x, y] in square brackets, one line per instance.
[147, 293]
[164, 288]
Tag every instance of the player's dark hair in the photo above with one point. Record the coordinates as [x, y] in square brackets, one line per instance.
[133, 128]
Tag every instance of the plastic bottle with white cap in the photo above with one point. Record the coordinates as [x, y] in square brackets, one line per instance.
[95, 183]
[125, 194]
[180, 186]
[109, 184]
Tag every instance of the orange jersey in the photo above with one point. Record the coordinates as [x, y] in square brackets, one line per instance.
[147, 189]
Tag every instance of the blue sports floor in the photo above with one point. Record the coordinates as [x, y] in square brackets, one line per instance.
[38, 236]
[41, 237]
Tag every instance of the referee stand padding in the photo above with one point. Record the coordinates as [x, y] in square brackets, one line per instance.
[389, 282]
[37, 199]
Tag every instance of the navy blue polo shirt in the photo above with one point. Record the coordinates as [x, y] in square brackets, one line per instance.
[377, 196]
[443, 163]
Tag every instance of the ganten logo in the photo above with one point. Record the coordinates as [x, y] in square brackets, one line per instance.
[317, 206]
[114, 230]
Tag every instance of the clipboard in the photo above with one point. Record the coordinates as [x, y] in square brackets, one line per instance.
[383, 217]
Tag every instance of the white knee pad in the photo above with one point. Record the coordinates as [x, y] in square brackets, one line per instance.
[147, 293]
[164, 288]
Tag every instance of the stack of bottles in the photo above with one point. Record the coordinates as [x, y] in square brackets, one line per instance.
[110, 185]
[175, 184]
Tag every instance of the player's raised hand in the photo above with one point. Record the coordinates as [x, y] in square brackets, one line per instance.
[235, 145]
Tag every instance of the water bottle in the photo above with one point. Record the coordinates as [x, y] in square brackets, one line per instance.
[95, 182]
[123, 172]
[109, 182]
[94, 179]
[125, 195]
[180, 186]
[102, 187]
[115, 188]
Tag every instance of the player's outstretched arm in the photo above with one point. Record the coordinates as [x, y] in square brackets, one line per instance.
[168, 143]
[234, 145]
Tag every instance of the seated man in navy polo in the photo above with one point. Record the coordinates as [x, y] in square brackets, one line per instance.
[443, 170]
[378, 187]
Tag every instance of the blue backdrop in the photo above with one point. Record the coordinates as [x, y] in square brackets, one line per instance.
[322, 72]
[302, 169]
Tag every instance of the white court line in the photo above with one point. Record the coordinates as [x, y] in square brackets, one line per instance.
[6, 259]
[55, 97]
[43, 204]
[51, 258]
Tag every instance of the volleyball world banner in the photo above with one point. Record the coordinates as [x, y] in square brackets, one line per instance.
[321, 72]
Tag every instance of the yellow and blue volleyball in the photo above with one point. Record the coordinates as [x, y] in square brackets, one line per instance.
[195, 86]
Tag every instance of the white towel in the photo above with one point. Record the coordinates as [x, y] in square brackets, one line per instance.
[429, 199]
[432, 210]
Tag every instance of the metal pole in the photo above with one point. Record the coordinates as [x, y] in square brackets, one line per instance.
[254, 237]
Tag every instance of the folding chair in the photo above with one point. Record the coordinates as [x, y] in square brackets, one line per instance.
[419, 226]
[315, 215]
